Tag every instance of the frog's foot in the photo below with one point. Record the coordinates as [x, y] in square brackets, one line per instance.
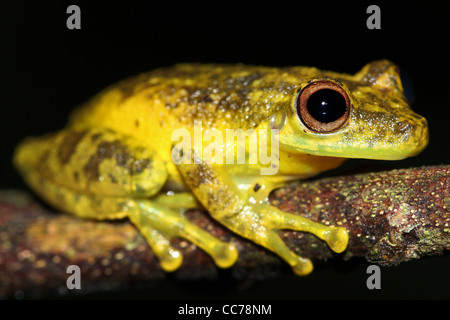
[261, 223]
[256, 221]
[160, 224]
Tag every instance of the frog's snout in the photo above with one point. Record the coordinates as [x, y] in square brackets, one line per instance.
[393, 138]
[407, 137]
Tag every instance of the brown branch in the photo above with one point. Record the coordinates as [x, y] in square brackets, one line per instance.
[391, 217]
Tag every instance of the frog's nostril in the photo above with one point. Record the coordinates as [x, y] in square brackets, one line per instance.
[402, 127]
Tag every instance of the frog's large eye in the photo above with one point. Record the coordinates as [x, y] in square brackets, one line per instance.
[323, 106]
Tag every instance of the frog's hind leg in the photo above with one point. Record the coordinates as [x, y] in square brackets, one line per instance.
[100, 174]
[156, 221]
[93, 161]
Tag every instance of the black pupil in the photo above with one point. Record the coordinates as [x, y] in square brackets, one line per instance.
[326, 105]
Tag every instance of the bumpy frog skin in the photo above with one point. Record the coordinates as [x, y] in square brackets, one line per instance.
[113, 160]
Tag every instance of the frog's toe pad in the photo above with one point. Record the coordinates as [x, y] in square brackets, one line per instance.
[337, 239]
[303, 267]
[224, 255]
[170, 260]
[160, 225]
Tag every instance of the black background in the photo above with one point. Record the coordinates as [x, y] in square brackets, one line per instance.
[46, 70]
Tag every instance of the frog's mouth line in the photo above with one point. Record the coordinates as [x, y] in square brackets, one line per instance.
[376, 151]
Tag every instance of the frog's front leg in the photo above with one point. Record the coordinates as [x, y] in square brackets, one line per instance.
[256, 221]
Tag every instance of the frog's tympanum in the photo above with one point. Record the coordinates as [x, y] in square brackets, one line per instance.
[115, 158]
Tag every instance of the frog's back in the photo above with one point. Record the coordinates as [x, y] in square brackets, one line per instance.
[159, 101]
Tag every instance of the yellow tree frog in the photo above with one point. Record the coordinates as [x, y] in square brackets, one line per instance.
[114, 159]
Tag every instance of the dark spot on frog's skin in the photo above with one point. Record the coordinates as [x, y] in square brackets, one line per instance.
[94, 137]
[136, 123]
[105, 150]
[114, 150]
[113, 179]
[43, 165]
[207, 99]
[126, 91]
[354, 85]
[248, 80]
[200, 174]
[128, 87]
[68, 145]
[256, 187]
[171, 105]
[75, 176]
[140, 165]
[44, 157]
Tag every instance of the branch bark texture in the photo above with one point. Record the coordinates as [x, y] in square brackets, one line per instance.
[391, 216]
